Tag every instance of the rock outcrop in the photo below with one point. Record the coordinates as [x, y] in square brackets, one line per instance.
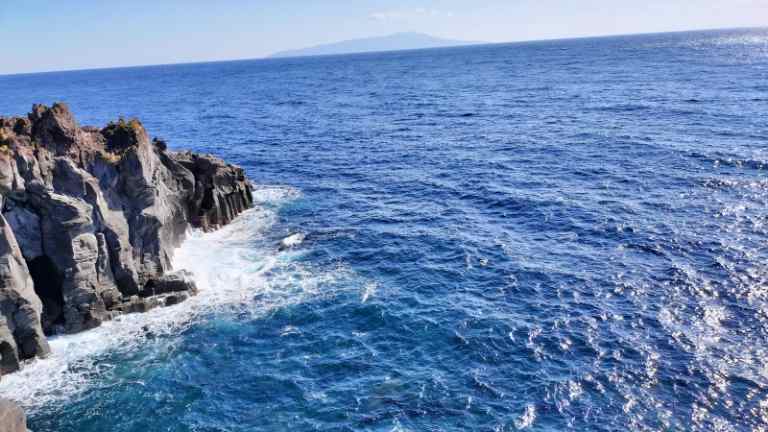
[89, 223]
[12, 418]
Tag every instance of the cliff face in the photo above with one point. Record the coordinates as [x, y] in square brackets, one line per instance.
[90, 219]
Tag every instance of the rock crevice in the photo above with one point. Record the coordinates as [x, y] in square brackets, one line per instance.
[90, 220]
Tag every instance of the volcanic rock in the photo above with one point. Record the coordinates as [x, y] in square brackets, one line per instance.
[90, 220]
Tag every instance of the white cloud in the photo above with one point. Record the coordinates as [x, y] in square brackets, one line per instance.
[409, 14]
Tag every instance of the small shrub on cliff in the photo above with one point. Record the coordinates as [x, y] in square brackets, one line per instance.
[135, 125]
[121, 135]
[112, 158]
[5, 142]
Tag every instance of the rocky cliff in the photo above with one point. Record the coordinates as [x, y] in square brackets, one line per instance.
[89, 223]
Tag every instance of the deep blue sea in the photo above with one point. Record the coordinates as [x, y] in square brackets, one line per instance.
[544, 236]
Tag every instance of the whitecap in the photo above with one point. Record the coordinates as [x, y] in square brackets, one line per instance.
[526, 420]
[292, 240]
[368, 291]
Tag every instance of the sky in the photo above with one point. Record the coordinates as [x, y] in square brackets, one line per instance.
[48, 35]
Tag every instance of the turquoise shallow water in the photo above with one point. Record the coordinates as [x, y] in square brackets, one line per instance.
[541, 236]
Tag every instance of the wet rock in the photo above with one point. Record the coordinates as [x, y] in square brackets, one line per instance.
[176, 298]
[180, 281]
[136, 304]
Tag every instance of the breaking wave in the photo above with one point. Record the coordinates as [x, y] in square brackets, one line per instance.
[237, 269]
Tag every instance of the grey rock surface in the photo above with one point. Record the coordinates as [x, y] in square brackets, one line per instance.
[21, 335]
[12, 418]
[90, 220]
[180, 281]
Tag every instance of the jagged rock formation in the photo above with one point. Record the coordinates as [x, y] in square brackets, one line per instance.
[90, 219]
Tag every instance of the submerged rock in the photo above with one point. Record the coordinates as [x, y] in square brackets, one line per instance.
[90, 220]
[180, 281]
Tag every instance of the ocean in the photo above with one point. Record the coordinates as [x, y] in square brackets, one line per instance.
[542, 236]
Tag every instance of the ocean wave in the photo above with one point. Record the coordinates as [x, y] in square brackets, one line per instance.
[236, 271]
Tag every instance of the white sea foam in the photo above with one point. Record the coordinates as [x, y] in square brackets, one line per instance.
[369, 290]
[232, 272]
[274, 195]
[293, 240]
[527, 418]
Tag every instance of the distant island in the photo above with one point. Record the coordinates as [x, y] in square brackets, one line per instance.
[395, 42]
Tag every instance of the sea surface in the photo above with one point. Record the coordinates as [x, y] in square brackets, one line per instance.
[544, 236]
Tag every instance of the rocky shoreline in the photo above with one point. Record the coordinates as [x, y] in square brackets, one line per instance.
[89, 223]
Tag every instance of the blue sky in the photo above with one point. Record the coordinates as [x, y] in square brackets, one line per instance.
[47, 35]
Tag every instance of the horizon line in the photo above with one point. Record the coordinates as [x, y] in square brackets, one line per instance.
[269, 58]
